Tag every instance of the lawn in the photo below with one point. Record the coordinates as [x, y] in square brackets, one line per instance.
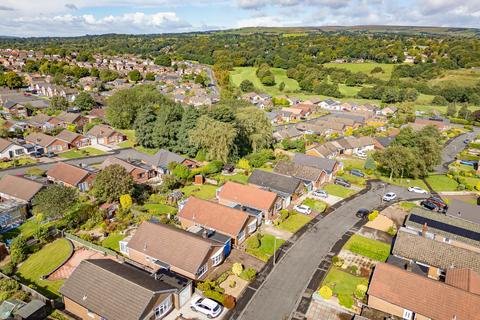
[159, 208]
[265, 251]
[81, 153]
[459, 77]
[111, 242]
[407, 205]
[248, 73]
[442, 183]
[349, 164]
[343, 283]
[369, 248]
[405, 182]
[359, 181]
[43, 262]
[205, 191]
[17, 163]
[131, 141]
[27, 229]
[339, 191]
[239, 178]
[294, 222]
[365, 68]
[315, 205]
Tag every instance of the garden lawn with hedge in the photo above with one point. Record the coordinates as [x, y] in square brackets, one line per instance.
[369, 248]
[111, 242]
[294, 222]
[205, 192]
[159, 208]
[27, 229]
[442, 183]
[339, 191]
[265, 251]
[239, 178]
[81, 153]
[41, 263]
[343, 285]
[315, 205]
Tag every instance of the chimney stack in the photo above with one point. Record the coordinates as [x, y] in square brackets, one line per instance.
[424, 230]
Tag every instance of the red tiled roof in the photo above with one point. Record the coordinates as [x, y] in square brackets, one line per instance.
[248, 195]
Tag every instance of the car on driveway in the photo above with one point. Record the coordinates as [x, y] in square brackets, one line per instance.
[361, 154]
[428, 205]
[342, 182]
[417, 190]
[210, 308]
[37, 154]
[389, 196]
[358, 173]
[362, 213]
[441, 205]
[320, 194]
[303, 209]
[50, 155]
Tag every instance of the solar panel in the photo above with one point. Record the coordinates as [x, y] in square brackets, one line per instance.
[469, 234]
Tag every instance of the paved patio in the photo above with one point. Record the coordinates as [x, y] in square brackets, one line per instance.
[239, 287]
[279, 233]
[323, 311]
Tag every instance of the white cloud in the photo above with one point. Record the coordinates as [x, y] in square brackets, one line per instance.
[266, 21]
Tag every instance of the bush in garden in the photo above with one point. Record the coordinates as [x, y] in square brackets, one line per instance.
[353, 270]
[223, 276]
[248, 274]
[8, 269]
[229, 301]
[337, 261]
[284, 214]
[325, 292]
[232, 284]
[361, 291]
[345, 300]
[253, 243]
[392, 230]
[237, 268]
[461, 187]
[206, 285]
[372, 216]
[215, 295]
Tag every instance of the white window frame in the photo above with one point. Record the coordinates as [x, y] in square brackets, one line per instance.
[163, 308]
[407, 314]
[252, 227]
[241, 236]
[202, 270]
[123, 247]
[217, 258]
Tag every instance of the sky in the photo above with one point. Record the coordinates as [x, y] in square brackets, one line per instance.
[79, 17]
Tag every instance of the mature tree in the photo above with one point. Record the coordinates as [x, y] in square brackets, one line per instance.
[464, 113]
[163, 60]
[439, 101]
[216, 137]
[398, 161]
[111, 183]
[84, 101]
[247, 86]
[253, 127]
[58, 103]
[134, 76]
[11, 80]
[145, 126]
[167, 125]
[189, 122]
[150, 76]
[451, 110]
[55, 200]
[18, 249]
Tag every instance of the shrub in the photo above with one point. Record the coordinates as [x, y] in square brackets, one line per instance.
[229, 301]
[284, 214]
[392, 230]
[353, 270]
[237, 268]
[360, 291]
[232, 284]
[461, 187]
[248, 274]
[35, 171]
[223, 276]
[372, 216]
[207, 285]
[253, 243]
[215, 295]
[337, 261]
[345, 300]
[325, 292]
[8, 269]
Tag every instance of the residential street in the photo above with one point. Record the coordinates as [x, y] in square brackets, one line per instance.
[278, 295]
[451, 149]
[121, 153]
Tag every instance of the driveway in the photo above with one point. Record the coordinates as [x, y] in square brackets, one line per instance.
[287, 281]
[187, 313]
[451, 149]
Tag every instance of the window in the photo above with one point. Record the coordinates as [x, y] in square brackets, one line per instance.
[163, 308]
[447, 240]
[241, 236]
[123, 247]
[252, 227]
[407, 314]
[202, 270]
[90, 314]
[217, 258]
[19, 152]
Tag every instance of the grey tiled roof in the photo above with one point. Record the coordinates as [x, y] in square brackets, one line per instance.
[299, 171]
[163, 157]
[320, 163]
[275, 182]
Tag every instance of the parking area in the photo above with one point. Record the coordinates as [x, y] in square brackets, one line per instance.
[186, 313]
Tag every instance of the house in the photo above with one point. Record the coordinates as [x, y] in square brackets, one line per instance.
[10, 150]
[351, 145]
[441, 124]
[328, 150]
[163, 158]
[106, 289]
[41, 121]
[47, 143]
[250, 199]
[19, 189]
[74, 140]
[71, 118]
[305, 109]
[311, 177]
[14, 109]
[12, 212]
[286, 187]
[159, 246]
[72, 176]
[103, 134]
[330, 104]
[388, 111]
[288, 133]
[97, 113]
[434, 255]
[236, 224]
[330, 167]
[409, 296]
[289, 114]
[139, 171]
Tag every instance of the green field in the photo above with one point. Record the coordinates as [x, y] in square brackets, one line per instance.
[43, 262]
[315, 205]
[111, 242]
[343, 283]
[339, 191]
[248, 73]
[460, 77]
[369, 248]
[159, 208]
[442, 183]
[365, 68]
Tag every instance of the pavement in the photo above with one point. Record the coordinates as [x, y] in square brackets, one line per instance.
[452, 148]
[128, 153]
[285, 284]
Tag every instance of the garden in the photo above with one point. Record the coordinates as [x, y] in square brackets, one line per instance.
[17, 162]
[81, 153]
[373, 249]
[339, 191]
[262, 246]
[291, 221]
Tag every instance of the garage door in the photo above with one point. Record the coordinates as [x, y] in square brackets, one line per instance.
[185, 295]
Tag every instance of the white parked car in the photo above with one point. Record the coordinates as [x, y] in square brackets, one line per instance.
[389, 196]
[207, 306]
[417, 190]
[320, 194]
[303, 209]
[361, 155]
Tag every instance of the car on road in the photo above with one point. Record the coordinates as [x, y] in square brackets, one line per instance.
[468, 163]
[342, 182]
[417, 190]
[439, 203]
[37, 154]
[210, 308]
[303, 209]
[50, 155]
[320, 194]
[466, 141]
[362, 213]
[428, 205]
[389, 196]
[356, 172]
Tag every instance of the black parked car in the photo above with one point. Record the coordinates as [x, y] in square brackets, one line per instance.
[37, 154]
[428, 205]
[362, 213]
[358, 173]
[50, 155]
[439, 203]
[342, 182]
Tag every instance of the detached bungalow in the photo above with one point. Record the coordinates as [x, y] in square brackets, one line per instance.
[48, 143]
[139, 171]
[105, 289]
[75, 119]
[310, 176]
[72, 176]
[286, 187]
[10, 150]
[329, 166]
[250, 199]
[163, 158]
[158, 246]
[234, 223]
[103, 134]
[74, 140]
[19, 189]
